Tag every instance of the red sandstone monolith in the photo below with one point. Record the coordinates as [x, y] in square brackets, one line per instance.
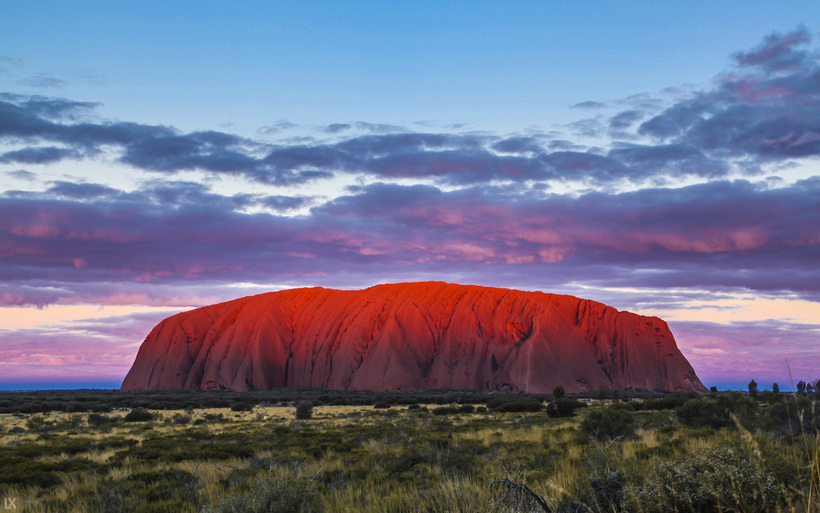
[410, 336]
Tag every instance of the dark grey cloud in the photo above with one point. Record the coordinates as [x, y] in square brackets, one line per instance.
[82, 191]
[38, 119]
[336, 128]
[625, 119]
[211, 151]
[518, 144]
[284, 202]
[673, 160]
[779, 52]
[54, 109]
[39, 155]
[590, 104]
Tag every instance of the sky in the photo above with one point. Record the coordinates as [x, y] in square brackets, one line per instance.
[659, 157]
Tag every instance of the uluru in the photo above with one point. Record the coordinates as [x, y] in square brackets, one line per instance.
[410, 336]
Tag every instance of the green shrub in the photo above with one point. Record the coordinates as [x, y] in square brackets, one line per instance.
[703, 412]
[558, 392]
[98, 420]
[304, 410]
[138, 415]
[444, 410]
[516, 404]
[716, 410]
[670, 402]
[242, 406]
[37, 423]
[564, 407]
[273, 496]
[181, 419]
[608, 424]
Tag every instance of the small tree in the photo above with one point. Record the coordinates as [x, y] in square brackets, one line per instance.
[801, 387]
[753, 389]
[558, 392]
[775, 388]
[304, 410]
[603, 393]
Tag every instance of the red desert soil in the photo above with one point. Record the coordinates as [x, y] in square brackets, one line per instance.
[410, 336]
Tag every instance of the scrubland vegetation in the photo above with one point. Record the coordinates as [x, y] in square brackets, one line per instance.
[308, 451]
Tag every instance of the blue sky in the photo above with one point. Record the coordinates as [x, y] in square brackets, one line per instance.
[660, 157]
[494, 66]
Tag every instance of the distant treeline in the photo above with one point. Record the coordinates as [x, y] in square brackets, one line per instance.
[101, 401]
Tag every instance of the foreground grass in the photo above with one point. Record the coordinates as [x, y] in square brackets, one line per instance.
[357, 458]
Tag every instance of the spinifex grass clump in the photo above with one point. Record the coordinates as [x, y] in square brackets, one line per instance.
[268, 494]
[732, 476]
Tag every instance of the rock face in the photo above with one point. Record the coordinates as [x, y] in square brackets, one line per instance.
[411, 336]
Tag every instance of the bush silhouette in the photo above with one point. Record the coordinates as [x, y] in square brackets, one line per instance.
[138, 415]
[304, 410]
[564, 407]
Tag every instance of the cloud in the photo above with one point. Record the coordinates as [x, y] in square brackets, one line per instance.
[670, 160]
[40, 155]
[336, 128]
[624, 120]
[767, 108]
[588, 105]
[82, 191]
[22, 174]
[762, 111]
[378, 128]
[54, 109]
[283, 202]
[718, 235]
[42, 81]
[778, 52]
[278, 127]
